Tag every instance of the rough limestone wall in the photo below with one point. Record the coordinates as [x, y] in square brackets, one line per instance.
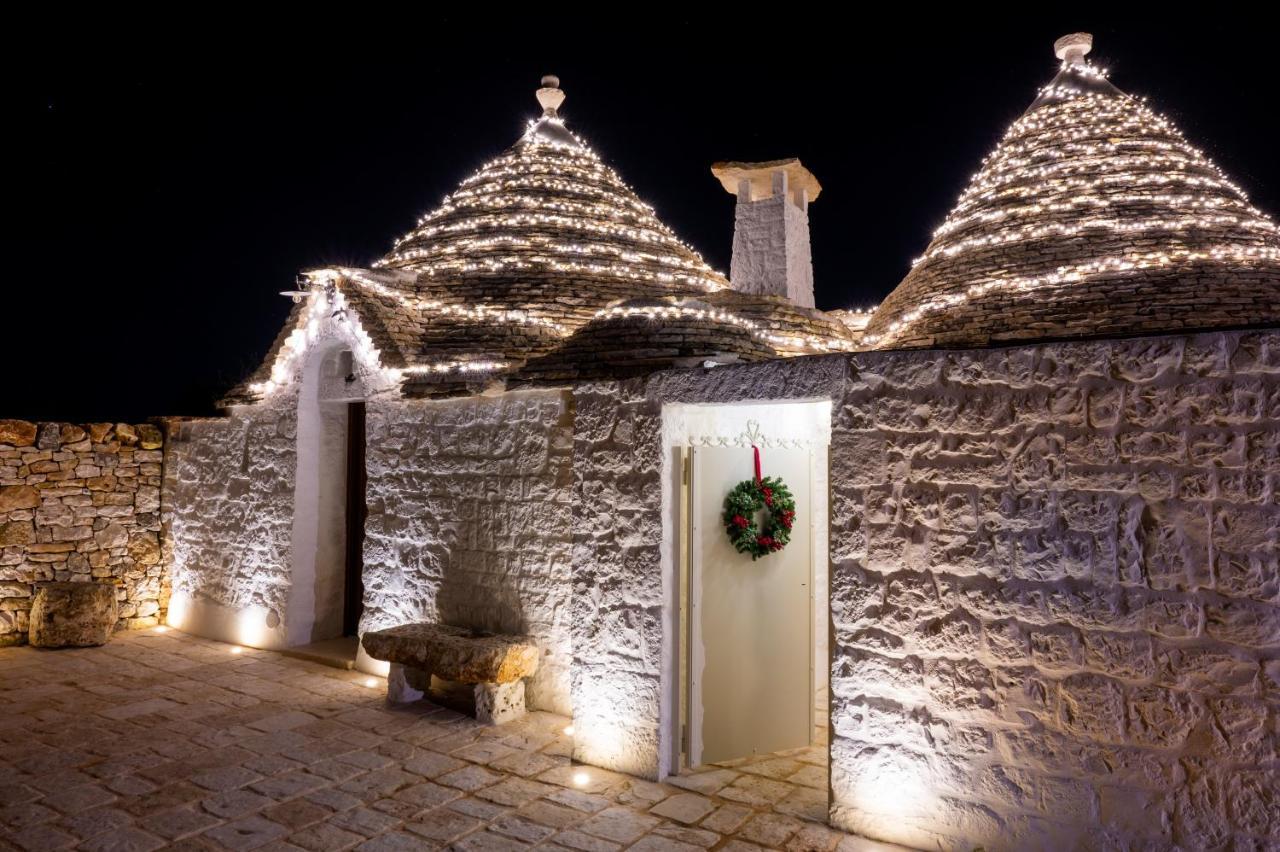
[623, 557]
[79, 503]
[228, 522]
[469, 521]
[1055, 596]
[618, 589]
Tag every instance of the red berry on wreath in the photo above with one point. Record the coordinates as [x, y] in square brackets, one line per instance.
[769, 534]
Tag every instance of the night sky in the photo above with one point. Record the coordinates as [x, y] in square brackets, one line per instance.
[166, 194]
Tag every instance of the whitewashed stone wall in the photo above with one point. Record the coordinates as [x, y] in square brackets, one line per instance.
[1055, 596]
[228, 522]
[79, 503]
[469, 521]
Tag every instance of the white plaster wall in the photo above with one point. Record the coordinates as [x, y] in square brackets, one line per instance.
[228, 521]
[318, 577]
[469, 521]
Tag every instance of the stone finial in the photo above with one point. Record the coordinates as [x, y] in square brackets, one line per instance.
[1073, 46]
[550, 96]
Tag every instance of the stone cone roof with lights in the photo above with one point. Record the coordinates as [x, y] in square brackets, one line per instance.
[524, 257]
[1092, 217]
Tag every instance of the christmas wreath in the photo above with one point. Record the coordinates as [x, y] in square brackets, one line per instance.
[740, 507]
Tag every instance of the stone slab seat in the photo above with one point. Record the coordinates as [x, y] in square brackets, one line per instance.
[484, 672]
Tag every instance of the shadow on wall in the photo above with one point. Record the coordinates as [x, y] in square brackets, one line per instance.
[470, 596]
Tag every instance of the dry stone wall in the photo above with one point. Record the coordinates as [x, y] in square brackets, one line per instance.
[1055, 595]
[80, 503]
[469, 521]
[228, 522]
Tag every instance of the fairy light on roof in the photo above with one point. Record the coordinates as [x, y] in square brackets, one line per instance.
[536, 239]
[549, 205]
[1089, 184]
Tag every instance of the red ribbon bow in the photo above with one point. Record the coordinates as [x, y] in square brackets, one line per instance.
[756, 450]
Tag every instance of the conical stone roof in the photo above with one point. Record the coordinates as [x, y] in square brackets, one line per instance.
[549, 205]
[524, 254]
[1093, 216]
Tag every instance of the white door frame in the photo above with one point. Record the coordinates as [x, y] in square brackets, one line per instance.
[685, 425]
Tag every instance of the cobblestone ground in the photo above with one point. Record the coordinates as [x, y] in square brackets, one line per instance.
[162, 740]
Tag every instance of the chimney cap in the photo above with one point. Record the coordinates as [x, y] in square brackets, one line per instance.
[1073, 46]
[761, 176]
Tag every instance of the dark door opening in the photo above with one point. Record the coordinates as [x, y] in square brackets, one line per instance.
[353, 601]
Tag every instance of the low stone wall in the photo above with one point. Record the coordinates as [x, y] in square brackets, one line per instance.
[80, 503]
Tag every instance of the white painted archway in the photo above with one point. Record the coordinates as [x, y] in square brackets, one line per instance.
[316, 596]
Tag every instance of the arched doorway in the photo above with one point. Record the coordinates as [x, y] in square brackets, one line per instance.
[326, 593]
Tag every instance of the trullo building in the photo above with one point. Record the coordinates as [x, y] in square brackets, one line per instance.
[1030, 590]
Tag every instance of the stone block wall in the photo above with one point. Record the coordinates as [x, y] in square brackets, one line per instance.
[469, 521]
[228, 523]
[619, 587]
[80, 503]
[1055, 595]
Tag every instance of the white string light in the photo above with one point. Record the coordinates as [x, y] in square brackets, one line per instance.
[1129, 262]
[490, 224]
[786, 341]
[322, 303]
[1092, 152]
[549, 204]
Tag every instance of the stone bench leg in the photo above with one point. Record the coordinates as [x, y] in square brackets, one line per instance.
[400, 684]
[497, 703]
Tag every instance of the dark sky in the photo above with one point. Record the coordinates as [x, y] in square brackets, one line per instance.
[168, 189]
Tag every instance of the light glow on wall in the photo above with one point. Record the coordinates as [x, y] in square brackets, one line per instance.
[602, 708]
[179, 602]
[251, 626]
[882, 792]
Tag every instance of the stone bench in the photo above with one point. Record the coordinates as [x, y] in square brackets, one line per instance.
[473, 671]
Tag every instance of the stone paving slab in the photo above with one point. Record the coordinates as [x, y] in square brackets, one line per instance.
[162, 740]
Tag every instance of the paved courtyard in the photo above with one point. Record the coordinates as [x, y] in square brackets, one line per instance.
[163, 740]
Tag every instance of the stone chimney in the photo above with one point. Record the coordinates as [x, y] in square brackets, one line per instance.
[771, 227]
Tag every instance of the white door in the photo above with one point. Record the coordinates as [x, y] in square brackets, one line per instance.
[749, 622]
